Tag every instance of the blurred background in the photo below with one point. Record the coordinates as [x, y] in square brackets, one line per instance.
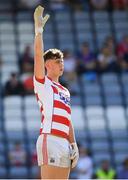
[93, 34]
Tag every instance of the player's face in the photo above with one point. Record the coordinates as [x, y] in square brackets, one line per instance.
[56, 67]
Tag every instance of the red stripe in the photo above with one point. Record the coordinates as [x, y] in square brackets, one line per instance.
[58, 104]
[41, 108]
[40, 80]
[59, 133]
[41, 130]
[60, 86]
[44, 148]
[42, 119]
[61, 119]
[55, 90]
[37, 98]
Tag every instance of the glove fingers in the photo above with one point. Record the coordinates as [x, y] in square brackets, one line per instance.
[74, 162]
[46, 17]
[73, 155]
[38, 11]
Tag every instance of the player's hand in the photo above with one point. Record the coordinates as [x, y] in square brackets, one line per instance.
[74, 154]
[39, 19]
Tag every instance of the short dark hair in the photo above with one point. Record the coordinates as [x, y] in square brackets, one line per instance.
[53, 54]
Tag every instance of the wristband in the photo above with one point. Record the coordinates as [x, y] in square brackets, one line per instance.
[38, 31]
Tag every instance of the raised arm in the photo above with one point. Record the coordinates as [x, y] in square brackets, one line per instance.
[39, 70]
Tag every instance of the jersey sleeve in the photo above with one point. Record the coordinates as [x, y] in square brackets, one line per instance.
[41, 86]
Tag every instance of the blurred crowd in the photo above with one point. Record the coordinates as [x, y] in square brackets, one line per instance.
[85, 168]
[75, 4]
[111, 57]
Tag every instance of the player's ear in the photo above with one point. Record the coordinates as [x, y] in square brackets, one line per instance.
[47, 65]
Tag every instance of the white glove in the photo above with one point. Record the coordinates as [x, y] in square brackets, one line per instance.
[39, 19]
[74, 154]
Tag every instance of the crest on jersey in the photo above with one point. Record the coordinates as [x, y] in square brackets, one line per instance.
[65, 98]
[52, 160]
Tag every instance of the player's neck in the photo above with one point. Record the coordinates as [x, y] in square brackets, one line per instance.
[53, 78]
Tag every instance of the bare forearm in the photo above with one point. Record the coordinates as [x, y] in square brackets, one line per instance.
[38, 56]
[71, 134]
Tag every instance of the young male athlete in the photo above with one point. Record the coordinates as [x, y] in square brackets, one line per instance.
[57, 150]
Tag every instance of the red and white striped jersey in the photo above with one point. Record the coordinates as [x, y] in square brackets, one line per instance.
[54, 103]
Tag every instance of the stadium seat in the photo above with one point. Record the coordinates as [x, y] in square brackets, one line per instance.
[92, 88]
[120, 157]
[14, 125]
[98, 157]
[34, 172]
[2, 159]
[116, 114]
[98, 133]
[100, 146]
[93, 100]
[9, 68]
[101, 36]
[2, 147]
[95, 117]
[115, 89]
[85, 36]
[81, 136]
[13, 113]
[124, 78]
[24, 16]
[113, 99]
[75, 100]
[32, 135]
[74, 88]
[119, 15]
[25, 27]
[6, 17]
[1, 135]
[30, 102]
[33, 124]
[120, 145]
[100, 15]
[118, 134]
[8, 29]
[109, 78]
[3, 172]
[98, 123]
[102, 27]
[15, 135]
[120, 24]
[32, 113]
[78, 121]
[81, 15]
[12, 102]
[18, 172]
[94, 111]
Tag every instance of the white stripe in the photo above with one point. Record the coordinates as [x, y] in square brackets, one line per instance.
[40, 104]
[41, 125]
[62, 112]
[60, 127]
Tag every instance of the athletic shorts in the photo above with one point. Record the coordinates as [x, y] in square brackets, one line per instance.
[53, 150]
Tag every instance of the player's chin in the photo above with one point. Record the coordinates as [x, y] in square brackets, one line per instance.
[61, 73]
